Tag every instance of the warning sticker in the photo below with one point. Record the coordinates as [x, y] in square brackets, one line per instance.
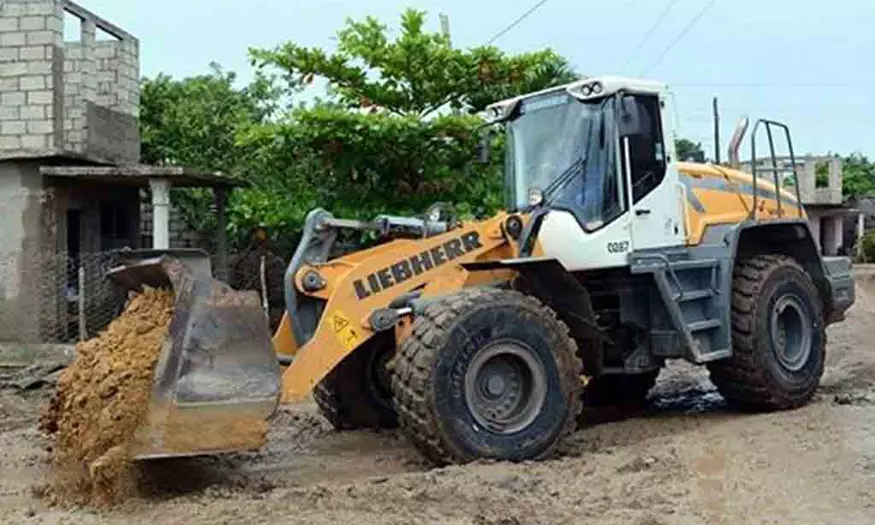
[348, 335]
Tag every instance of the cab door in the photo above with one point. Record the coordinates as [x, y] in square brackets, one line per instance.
[651, 175]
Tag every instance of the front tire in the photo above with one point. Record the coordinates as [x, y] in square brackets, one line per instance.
[778, 336]
[487, 373]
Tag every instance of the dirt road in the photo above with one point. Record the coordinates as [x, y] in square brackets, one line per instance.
[687, 460]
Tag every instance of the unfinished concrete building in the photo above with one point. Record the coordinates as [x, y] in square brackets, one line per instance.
[70, 178]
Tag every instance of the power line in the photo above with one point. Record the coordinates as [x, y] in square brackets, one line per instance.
[776, 85]
[688, 118]
[683, 32]
[649, 33]
[516, 22]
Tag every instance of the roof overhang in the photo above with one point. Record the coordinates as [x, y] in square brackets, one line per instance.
[139, 175]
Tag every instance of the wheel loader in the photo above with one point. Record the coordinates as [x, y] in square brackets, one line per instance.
[484, 339]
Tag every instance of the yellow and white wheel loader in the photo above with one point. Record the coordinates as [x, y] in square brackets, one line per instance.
[484, 339]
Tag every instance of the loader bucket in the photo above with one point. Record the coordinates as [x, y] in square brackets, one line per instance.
[217, 379]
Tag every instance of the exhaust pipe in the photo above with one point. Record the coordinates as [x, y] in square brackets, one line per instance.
[735, 142]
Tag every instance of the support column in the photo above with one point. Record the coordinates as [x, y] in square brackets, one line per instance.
[220, 194]
[861, 232]
[830, 234]
[160, 213]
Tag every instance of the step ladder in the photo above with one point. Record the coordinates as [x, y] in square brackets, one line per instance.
[689, 287]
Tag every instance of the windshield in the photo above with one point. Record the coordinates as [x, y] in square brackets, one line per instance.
[551, 134]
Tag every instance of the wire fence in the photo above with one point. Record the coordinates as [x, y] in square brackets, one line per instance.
[63, 298]
[55, 298]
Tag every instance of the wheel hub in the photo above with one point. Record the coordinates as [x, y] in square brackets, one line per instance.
[495, 386]
[791, 331]
[505, 387]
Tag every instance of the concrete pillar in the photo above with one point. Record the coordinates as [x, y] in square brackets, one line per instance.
[831, 234]
[160, 213]
[221, 196]
[814, 221]
[88, 35]
[861, 232]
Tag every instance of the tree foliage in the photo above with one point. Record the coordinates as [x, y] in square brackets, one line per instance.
[689, 150]
[415, 74]
[396, 132]
[858, 176]
[194, 122]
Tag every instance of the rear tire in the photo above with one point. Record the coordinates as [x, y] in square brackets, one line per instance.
[487, 373]
[357, 393]
[619, 390]
[778, 337]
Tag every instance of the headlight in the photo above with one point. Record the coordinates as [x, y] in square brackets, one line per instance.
[536, 196]
[593, 88]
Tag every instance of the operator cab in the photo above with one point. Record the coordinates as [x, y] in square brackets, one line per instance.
[591, 161]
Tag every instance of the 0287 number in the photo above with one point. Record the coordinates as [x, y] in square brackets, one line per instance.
[618, 247]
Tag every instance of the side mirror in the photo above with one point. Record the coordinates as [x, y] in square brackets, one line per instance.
[484, 148]
[631, 117]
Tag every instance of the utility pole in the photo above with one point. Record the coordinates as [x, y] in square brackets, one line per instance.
[445, 27]
[445, 30]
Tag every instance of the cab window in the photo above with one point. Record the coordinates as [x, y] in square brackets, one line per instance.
[647, 157]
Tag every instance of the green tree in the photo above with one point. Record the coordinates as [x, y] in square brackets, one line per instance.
[415, 74]
[397, 131]
[194, 121]
[689, 150]
[858, 176]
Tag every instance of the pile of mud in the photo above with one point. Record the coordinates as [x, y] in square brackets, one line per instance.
[100, 401]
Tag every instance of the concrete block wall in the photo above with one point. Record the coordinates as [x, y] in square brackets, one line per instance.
[104, 74]
[806, 170]
[811, 194]
[31, 62]
[57, 97]
[79, 87]
[118, 71]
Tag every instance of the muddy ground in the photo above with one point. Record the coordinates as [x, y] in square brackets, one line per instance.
[687, 459]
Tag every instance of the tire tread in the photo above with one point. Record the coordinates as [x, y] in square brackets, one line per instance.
[414, 399]
[741, 379]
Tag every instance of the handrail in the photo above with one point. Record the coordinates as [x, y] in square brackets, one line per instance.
[775, 171]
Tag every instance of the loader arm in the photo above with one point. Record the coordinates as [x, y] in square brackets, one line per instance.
[358, 291]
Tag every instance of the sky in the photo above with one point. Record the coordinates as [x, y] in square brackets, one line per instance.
[806, 63]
